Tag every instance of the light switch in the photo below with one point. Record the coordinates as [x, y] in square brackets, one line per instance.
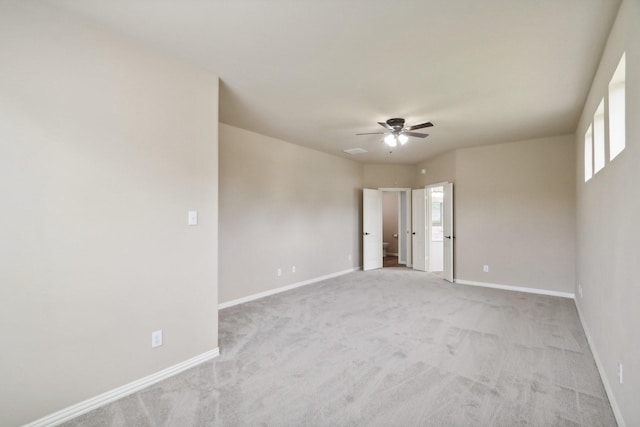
[193, 218]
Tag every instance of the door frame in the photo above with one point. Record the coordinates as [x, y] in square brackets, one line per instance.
[406, 208]
[408, 211]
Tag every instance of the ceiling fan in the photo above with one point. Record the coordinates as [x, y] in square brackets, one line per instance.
[397, 133]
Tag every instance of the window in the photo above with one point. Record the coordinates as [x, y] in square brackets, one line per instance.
[598, 138]
[617, 110]
[588, 154]
[594, 139]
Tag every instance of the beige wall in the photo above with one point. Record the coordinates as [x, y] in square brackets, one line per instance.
[390, 206]
[515, 211]
[104, 148]
[390, 176]
[608, 208]
[283, 205]
[438, 169]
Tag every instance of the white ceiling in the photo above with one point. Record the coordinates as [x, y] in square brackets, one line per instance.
[316, 72]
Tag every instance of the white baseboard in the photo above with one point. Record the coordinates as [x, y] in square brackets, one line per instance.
[602, 372]
[284, 288]
[85, 406]
[516, 288]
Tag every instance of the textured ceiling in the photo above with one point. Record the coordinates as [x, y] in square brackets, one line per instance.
[315, 73]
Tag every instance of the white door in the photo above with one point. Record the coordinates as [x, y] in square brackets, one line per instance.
[448, 231]
[418, 229]
[371, 229]
[435, 229]
[404, 232]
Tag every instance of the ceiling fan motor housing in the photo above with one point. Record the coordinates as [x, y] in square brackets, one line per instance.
[396, 123]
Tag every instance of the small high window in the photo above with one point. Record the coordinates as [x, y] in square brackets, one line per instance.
[617, 110]
[598, 138]
[588, 154]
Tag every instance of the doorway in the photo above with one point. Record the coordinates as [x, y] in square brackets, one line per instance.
[432, 229]
[435, 233]
[423, 215]
[439, 237]
[395, 227]
[390, 228]
[386, 229]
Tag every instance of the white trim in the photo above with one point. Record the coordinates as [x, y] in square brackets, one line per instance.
[85, 406]
[517, 288]
[284, 288]
[607, 387]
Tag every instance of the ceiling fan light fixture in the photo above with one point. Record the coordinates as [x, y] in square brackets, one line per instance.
[390, 140]
[397, 133]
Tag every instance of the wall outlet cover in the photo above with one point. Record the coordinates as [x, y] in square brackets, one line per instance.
[156, 338]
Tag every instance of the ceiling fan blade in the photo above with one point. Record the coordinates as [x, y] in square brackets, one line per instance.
[372, 133]
[385, 125]
[420, 126]
[416, 134]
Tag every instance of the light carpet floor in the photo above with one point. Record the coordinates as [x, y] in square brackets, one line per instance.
[390, 347]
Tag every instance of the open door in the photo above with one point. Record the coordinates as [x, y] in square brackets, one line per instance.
[435, 228]
[418, 229]
[371, 229]
[404, 232]
[448, 231]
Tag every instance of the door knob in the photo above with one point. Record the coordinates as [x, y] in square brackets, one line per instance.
[447, 237]
[414, 233]
[366, 234]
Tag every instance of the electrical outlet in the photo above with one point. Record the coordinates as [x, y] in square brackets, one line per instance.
[293, 269]
[349, 257]
[485, 268]
[580, 290]
[156, 338]
[279, 272]
[620, 372]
